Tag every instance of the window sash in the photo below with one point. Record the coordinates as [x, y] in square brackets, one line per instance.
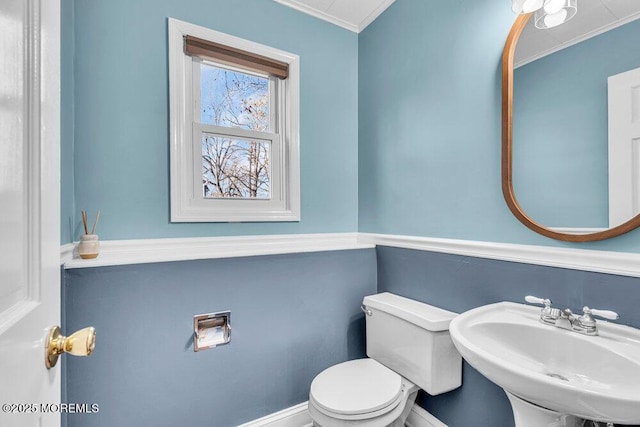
[276, 175]
[275, 93]
[205, 49]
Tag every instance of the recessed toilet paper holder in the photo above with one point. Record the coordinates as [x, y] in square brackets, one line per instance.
[211, 330]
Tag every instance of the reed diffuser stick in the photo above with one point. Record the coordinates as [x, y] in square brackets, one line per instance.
[93, 230]
[84, 222]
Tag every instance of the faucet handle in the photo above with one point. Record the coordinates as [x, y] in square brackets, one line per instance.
[586, 324]
[548, 315]
[606, 314]
[535, 300]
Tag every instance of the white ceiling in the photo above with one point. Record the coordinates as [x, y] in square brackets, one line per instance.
[593, 17]
[354, 15]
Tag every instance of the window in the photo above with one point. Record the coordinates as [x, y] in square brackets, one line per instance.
[235, 131]
[234, 108]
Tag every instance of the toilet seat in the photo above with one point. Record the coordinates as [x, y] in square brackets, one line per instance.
[357, 389]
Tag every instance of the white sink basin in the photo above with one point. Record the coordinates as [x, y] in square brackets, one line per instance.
[592, 377]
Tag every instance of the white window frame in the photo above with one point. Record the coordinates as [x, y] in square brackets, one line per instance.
[187, 201]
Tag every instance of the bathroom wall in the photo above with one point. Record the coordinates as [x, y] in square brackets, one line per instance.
[292, 316]
[430, 125]
[420, 156]
[429, 165]
[120, 117]
[460, 283]
[560, 128]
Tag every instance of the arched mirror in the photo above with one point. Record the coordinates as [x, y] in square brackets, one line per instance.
[571, 123]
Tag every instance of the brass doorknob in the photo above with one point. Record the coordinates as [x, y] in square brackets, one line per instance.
[81, 343]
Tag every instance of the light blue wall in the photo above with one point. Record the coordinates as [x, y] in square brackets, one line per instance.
[121, 119]
[429, 119]
[560, 128]
[292, 316]
[430, 125]
[421, 156]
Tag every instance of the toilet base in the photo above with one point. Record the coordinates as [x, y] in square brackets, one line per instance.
[395, 418]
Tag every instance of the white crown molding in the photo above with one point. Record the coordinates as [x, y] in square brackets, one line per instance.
[121, 252]
[351, 26]
[300, 7]
[373, 15]
[621, 263]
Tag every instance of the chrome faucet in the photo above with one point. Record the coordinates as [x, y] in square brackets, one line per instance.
[565, 319]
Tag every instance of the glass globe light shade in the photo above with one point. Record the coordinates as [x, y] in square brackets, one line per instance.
[555, 12]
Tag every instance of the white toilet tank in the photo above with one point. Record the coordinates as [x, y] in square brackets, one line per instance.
[412, 339]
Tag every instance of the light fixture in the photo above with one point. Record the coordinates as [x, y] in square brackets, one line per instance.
[526, 6]
[549, 13]
[555, 12]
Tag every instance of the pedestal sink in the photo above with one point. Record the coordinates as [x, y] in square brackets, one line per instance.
[553, 375]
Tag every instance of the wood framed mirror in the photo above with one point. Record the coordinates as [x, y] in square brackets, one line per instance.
[508, 154]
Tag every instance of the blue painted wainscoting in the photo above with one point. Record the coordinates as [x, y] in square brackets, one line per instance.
[459, 283]
[292, 317]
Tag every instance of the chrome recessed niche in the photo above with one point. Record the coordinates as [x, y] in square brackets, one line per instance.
[211, 330]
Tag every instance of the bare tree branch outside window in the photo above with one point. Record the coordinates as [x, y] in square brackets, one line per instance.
[231, 167]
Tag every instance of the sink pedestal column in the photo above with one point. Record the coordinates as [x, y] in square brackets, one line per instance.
[529, 415]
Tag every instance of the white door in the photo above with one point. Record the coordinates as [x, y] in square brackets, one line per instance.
[29, 200]
[624, 146]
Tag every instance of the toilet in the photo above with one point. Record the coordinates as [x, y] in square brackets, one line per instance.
[408, 348]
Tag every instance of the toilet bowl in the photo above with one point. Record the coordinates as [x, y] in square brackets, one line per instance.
[408, 348]
[360, 392]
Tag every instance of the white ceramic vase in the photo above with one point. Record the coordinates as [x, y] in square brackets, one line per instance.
[89, 246]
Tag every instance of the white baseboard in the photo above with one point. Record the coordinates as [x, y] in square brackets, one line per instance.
[418, 417]
[296, 416]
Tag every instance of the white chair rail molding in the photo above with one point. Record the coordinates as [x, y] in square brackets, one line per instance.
[119, 252]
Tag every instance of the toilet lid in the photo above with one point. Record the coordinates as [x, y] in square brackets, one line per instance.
[356, 387]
